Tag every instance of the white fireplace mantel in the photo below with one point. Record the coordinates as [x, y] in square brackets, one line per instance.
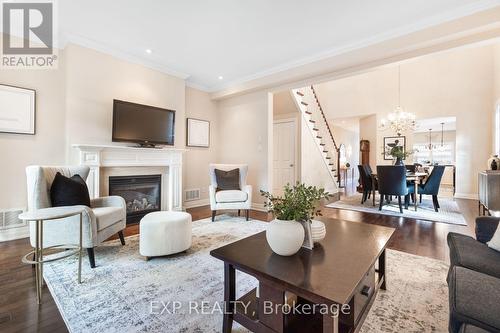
[102, 156]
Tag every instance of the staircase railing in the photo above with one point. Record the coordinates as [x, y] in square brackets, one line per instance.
[324, 119]
[311, 106]
[329, 130]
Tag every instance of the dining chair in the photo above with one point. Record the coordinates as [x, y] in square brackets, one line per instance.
[365, 175]
[391, 182]
[431, 186]
[411, 167]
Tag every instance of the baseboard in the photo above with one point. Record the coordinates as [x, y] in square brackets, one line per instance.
[259, 207]
[470, 196]
[196, 203]
[14, 233]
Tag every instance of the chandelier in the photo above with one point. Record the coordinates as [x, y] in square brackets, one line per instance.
[432, 146]
[399, 121]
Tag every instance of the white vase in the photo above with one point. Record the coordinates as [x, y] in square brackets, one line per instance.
[285, 237]
[318, 231]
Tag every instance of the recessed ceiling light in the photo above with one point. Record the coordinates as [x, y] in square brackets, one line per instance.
[221, 77]
[148, 51]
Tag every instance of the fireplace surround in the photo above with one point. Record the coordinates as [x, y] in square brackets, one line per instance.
[142, 194]
[100, 157]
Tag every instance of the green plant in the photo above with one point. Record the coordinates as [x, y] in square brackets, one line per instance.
[299, 202]
[397, 152]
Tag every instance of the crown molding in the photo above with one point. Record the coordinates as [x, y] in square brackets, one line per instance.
[197, 86]
[377, 51]
[119, 54]
[377, 39]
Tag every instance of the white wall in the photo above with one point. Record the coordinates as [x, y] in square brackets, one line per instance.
[496, 92]
[243, 123]
[196, 160]
[47, 146]
[455, 83]
[314, 172]
[94, 79]
[74, 105]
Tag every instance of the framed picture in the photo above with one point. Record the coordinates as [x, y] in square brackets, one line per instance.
[198, 133]
[391, 142]
[17, 107]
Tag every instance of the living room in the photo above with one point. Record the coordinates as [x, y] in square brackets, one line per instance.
[242, 165]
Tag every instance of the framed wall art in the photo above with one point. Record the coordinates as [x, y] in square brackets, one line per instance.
[17, 107]
[391, 142]
[198, 133]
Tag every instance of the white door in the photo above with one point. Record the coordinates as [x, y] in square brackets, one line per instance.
[284, 155]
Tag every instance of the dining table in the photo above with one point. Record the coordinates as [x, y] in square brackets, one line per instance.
[416, 177]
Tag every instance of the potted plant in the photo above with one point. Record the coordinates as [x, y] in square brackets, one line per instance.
[397, 153]
[285, 234]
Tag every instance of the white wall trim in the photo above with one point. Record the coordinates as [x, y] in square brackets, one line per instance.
[471, 196]
[432, 21]
[196, 203]
[121, 54]
[259, 207]
[361, 59]
[198, 86]
[14, 233]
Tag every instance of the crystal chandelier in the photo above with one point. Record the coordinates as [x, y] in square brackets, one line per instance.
[399, 121]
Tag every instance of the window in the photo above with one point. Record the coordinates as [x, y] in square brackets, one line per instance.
[440, 155]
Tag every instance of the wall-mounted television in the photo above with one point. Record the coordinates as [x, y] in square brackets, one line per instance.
[142, 124]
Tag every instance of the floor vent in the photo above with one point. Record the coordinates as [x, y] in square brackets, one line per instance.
[9, 219]
[193, 194]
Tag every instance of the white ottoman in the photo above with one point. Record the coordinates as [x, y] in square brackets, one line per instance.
[164, 233]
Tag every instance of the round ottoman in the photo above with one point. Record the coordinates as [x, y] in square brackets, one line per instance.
[164, 233]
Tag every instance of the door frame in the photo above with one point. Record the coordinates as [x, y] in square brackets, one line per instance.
[296, 145]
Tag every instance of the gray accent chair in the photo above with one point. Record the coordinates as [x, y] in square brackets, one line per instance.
[474, 280]
[105, 217]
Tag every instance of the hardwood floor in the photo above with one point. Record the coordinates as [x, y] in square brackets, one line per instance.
[20, 313]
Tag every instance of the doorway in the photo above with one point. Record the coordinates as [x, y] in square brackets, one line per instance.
[284, 153]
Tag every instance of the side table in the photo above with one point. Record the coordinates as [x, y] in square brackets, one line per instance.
[41, 216]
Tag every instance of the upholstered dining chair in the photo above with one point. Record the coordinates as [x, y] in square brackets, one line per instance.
[365, 175]
[105, 217]
[392, 182]
[431, 186]
[230, 199]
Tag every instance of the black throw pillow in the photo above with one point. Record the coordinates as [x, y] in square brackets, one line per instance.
[227, 180]
[69, 191]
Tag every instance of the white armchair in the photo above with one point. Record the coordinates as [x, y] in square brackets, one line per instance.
[230, 199]
[105, 217]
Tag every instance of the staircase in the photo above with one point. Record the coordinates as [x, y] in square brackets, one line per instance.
[312, 113]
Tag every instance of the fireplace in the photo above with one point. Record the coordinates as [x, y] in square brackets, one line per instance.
[142, 194]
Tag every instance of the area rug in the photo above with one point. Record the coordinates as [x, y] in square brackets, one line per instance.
[125, 293]
[448, 213]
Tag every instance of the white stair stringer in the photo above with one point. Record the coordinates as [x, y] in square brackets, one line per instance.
[311, 112]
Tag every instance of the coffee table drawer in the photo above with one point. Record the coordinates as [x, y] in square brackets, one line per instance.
[362, 296]
[364, 293]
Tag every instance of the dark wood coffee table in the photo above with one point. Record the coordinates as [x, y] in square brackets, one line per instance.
[346, 268]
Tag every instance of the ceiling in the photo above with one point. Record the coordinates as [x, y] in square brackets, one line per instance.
[203, 40]
[424, 125]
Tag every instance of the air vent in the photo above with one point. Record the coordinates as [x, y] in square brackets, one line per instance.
[9, 219]
[193, 194]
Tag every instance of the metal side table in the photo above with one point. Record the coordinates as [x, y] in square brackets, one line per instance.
[40, 216]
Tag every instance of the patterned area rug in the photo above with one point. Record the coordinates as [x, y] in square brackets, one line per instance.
[124, 293]
[448, 213]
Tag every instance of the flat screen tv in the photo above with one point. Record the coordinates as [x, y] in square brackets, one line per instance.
[142, 124]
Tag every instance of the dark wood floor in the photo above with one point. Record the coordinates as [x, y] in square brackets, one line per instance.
[20, 313]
